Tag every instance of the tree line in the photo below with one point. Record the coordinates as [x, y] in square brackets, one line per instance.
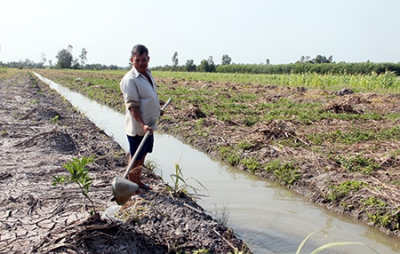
[320, 64]
[320, 68]
[65, 60]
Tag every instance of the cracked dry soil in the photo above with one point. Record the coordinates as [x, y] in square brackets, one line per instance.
[36, 217]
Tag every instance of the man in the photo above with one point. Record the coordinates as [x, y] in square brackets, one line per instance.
[142, 109]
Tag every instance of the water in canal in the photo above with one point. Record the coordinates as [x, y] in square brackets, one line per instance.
[267, 216]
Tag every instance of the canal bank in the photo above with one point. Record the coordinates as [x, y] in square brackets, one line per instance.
[265, 213]
[40, 133]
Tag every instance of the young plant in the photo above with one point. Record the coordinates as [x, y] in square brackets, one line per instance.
[55, 119]
[179, 183]
[251, 163]
[222, 214]
[286, 173]
[150, 165]
[201, 251]
[359, 163]
[344, 188]
[3, 133]
[79, 175]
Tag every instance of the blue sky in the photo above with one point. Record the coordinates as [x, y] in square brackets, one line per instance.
[249, 31]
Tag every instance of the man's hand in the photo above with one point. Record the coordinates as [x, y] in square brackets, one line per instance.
[147, 128]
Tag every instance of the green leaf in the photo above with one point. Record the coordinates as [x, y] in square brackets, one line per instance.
[178, 177]
[303, 242]
[330, 245]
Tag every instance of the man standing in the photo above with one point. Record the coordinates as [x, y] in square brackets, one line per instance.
[142, 109]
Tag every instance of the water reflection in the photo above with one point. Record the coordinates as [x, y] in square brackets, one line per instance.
[266, 215]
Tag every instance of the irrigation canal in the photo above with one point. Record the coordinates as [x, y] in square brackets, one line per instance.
[267, 216]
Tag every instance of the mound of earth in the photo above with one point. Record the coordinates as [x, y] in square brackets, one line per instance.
[39, 133]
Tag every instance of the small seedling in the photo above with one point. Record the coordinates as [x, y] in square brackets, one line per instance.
[3, 133]
[79, 175]
[55, 119]
[222, 214]
[180, 186]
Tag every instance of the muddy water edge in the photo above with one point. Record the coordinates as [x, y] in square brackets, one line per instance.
[267, 216]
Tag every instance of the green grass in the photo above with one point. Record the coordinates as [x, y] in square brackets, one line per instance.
[251, 163]
[269, 123]
[363, 83]
[286, 173]
[232, 104]
[354, 136]
[8, 72]
[357, 163]
[379, 212]
[344, 188]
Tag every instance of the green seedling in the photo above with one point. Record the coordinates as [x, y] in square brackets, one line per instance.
[251, 163]
[358, 163]
[55, 119]
[286, 173]
[3, 133]
[79, 175]
[344, 188]
[179, 183]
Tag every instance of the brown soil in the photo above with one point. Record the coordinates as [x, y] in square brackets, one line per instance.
[36, 217]
[317, 165]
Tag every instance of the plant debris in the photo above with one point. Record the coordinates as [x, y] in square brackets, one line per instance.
[40, 132]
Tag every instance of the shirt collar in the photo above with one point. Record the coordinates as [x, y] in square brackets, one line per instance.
[136, 73]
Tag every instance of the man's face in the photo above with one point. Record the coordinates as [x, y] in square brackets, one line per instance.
[140, 62]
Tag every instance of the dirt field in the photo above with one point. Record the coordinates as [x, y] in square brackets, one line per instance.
[360, 179]
[40, 132]
[346, 158]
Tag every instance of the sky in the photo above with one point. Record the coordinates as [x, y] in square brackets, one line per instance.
[248, 31]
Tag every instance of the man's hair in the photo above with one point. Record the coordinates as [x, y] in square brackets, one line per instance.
[139, 49]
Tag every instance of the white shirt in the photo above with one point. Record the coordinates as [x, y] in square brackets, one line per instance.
[139, 92]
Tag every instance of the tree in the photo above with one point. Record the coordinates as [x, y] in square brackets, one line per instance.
[267, 61]
[321, 59]
[226, 60]
[211, 65]
[28, 63]
[318, 59]
[175, 60]
[207, 65]
[44, 60]
[83, 57]
[64, 59]
[75, 64]
[190, 66]
[203, 67]
[69, 48]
